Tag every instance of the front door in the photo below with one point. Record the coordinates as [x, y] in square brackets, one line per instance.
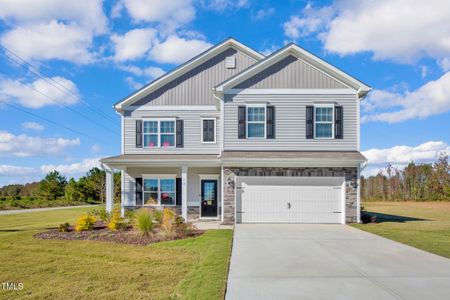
[208, 198]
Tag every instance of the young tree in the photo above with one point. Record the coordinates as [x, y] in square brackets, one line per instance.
[52, 186]
[73, 191]
[97, 182]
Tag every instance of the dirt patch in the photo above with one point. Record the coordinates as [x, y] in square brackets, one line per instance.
[124, 236]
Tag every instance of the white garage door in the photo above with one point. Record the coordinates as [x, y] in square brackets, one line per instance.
[270, 203]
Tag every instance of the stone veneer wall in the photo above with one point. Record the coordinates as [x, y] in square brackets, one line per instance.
[350, 175]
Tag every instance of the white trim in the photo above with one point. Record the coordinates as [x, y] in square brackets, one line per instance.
[189, 65]
[247, 106]
[170, 107]
[215, 177]
[159, 133]
[343, 200]
[184, 197]
[222, 184]
[122, 134]
[201, 130]
[358, 126]
[159, 177]
[324, 122]
[291, 91]
[307, 57]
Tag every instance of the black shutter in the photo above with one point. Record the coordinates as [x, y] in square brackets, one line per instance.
[138, 191]
[138, 133]
[310, 122]
[338, 122]
[178, 189]
[208, 130]
[270, 126]
[242, 122]
[180, 134]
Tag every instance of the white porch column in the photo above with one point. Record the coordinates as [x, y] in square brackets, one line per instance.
[184, 171]
[109, 189]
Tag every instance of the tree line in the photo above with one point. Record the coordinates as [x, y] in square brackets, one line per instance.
[417, 182]
[88, 188]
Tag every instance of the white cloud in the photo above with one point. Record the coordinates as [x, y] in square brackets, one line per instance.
[133, 44]
[223, 5]
[9, 170]
[401, 30]
[398, 155]
[263, 13]
[73, 169]
[132, 83]
[26, 94]
[96, 148]
[177, 50]
[430, 99]
[24, 146]
[53, 40]
[149, 72]
[32, 126]
[170, 13]
[86, 13]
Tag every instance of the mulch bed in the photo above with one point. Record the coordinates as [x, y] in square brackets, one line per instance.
[124, 236]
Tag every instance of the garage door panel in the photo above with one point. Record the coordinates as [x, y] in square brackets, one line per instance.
[290, 204]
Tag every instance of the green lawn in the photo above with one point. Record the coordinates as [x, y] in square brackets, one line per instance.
[424, 225]
[194, 268]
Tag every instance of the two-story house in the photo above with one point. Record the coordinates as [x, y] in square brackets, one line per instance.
[239, 137]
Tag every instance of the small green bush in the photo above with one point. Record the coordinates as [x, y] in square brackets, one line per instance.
[157, 216]
[64, 227]
[102, 214]
[143, 221]
[85, 223]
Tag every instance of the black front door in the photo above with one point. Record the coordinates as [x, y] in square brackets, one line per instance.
[209, 198]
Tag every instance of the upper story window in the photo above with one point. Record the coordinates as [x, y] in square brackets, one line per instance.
[159, 133]
[159, 191]
[256, 121]
[208, 130]
[323, 121]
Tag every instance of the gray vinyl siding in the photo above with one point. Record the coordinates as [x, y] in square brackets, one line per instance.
[290, 73]
[192, 131]
[193, 182]
[290, 131]
[195, 87]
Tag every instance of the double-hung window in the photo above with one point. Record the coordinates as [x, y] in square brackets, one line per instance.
[159, 133]
[256, 121]
[159, 191]
[323, 121]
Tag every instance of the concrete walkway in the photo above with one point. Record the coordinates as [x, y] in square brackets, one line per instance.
[330, 262]
[28, 210]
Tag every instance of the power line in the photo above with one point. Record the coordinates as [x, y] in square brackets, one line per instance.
[54, 83]
[55, 123]
[62, 104]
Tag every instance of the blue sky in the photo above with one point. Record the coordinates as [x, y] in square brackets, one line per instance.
[98, 52]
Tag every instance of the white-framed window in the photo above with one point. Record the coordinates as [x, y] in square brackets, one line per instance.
[159, 190]
[208, 130]
[323, 121]
[256, 121]
[159, 133]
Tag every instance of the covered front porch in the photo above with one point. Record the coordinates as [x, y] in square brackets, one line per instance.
[191, 185]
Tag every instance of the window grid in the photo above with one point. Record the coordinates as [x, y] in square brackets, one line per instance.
[159, 134]
[323, 122]
[256, 121]
[159, 191]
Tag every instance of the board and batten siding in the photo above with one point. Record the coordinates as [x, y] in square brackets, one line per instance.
[193, 182]
[290, 123]
[290, 73]
[195, 86]
[192, 131]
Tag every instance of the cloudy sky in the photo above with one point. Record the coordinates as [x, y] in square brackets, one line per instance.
[64, 63]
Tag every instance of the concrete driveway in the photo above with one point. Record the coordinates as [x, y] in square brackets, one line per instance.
[330, 262]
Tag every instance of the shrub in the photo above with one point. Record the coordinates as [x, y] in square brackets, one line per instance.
[157, 216]
[85, 222]
[168, 221]
[64, 227]
[143, 221]
[102, 214]
[116, 221]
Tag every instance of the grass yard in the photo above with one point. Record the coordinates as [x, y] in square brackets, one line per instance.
[194, 268]
[424, 225]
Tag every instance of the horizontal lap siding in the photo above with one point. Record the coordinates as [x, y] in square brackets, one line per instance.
[192, 131]
[290, 123]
